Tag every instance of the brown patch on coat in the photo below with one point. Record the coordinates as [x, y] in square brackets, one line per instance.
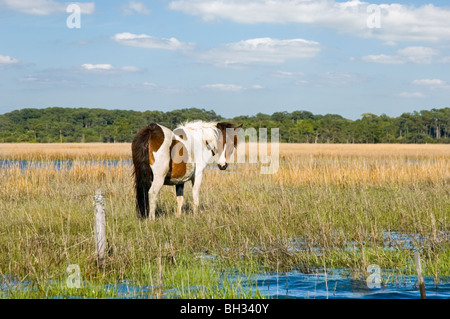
[155, 142]
[178, 158]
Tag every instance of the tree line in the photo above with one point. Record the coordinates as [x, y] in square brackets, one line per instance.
[68, 125]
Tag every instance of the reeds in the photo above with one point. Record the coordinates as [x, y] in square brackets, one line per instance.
[329, 205]
[64, 151]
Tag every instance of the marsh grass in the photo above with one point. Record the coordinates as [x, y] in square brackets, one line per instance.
[327, 206]
[64, 151]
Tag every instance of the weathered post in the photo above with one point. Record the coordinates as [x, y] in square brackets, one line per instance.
[419, 275]
[100, 226]
[160, 278]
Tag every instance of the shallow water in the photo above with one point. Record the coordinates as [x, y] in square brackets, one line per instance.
[295, 284]
[56, 164]
[337, 284]
[332, 284]
[62, 165]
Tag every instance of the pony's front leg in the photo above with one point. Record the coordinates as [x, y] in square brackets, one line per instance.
[196, 191]
[157, 183]
[179, 190]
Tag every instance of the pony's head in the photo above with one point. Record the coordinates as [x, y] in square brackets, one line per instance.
[227, 142]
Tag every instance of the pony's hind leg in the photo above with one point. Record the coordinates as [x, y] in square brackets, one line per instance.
[179, 190]
[157, 183]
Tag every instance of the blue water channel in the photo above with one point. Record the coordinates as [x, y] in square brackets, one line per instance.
[336, 283]
[295, 284]
[57, 164]
[319, 284]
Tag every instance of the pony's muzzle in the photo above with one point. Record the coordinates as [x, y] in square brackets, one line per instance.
[223, 167]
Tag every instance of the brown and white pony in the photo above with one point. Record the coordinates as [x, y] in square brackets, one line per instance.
[165, 157]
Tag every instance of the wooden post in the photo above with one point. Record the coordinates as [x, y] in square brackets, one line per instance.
[100, 226]
[160, 278]
[419, 275]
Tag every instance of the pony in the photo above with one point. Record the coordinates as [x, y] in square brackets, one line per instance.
[165, 157]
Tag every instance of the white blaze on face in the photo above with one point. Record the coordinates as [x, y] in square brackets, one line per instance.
[222, 158]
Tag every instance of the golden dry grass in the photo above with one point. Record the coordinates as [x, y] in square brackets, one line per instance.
[300, 164]
[364, 164]
[368, 150]
[65, 151]
[30, 151]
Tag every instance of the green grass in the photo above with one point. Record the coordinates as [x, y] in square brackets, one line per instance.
[248, 222]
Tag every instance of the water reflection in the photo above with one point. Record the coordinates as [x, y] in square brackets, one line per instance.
[337, 283]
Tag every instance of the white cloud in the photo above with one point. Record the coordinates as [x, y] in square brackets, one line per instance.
[432, 83]
[91, 67]
[29, 78]
[411, 95]
[135, 7]
[445, 59]
[297, 78]
[287, 74]
[339, 78]
[263, 11]
[383, 58]
[326, 79]
[108, 68]
[398, 22]
[51, 78]
[130, 68]
[416, 54]
[45, 7]
[223, 87]
[230, 87]
[7, 60]
[149, 85]
[149, 42]
[260, 50]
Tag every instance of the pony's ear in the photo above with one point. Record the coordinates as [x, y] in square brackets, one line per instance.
[222, 125]
[225, 125]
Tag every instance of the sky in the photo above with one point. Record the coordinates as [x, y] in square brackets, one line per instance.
[236, 57]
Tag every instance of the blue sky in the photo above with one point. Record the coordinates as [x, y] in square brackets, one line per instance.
[236, 57]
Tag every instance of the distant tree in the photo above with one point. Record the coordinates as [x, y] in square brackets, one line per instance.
[56, 124]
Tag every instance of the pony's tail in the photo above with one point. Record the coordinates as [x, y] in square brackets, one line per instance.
[143, 175]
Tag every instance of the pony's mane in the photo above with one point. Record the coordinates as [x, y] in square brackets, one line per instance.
[208, 131]
[198, 125]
